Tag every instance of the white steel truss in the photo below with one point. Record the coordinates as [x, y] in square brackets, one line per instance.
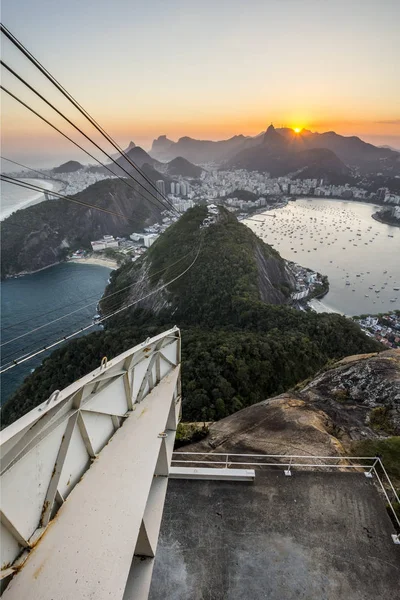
[89, 468]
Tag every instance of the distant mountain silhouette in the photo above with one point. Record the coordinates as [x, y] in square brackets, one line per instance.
[69, 167]
[390, 148]
[131, 145]
[280, 155]
[197, 151]
[181, 166]
[161, 148]
[118, 154]
[273, 139]
[138, 156]
[155, 175]
[352, 151]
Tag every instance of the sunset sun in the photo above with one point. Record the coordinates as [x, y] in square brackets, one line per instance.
[297, 129]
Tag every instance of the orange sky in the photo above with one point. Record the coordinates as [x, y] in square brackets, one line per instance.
[206, 69]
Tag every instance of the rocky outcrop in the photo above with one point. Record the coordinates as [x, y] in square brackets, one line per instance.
[357, 398]
[361, 394]
[275, 279]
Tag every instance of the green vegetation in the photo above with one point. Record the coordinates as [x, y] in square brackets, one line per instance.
[321, 289]
[188, 433]
[43, 234]
[236, 349]
[114, 255]
[341, 395]
[380, 419]
[389, 451]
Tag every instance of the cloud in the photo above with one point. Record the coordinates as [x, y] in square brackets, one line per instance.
[392, 122]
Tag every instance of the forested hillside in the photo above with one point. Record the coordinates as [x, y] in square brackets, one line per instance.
[41, 235]
[241, 342]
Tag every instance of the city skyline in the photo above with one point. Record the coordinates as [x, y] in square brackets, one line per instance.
[208, 71]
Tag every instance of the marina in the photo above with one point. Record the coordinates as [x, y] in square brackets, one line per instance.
[341, 240]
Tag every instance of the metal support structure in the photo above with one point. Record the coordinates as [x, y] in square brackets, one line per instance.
[287, 471]
[106, 427]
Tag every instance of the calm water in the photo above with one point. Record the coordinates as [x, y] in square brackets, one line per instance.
[341, 240]
[30, 301]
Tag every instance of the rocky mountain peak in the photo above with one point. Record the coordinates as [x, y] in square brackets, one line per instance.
[272, 137]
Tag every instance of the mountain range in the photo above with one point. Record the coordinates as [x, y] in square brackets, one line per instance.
[353, 152]
[177, 167]
[280, 155]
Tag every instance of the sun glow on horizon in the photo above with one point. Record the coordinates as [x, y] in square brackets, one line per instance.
[297, 129]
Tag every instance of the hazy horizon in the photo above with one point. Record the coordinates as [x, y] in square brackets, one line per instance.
[207, 70]
[51, 159]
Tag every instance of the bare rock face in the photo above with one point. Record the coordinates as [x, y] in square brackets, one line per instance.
[281, 425]
[357, 398]
[360, 393]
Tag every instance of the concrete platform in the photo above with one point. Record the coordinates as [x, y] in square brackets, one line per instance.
[312, 536]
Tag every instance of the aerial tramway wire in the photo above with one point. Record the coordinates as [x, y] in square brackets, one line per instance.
[67, 337]
[136, 283]
[37, 188]
[95, 295]
[75, 103]
[87, 152]
[41, 344]
[42, 175]
[80, 131]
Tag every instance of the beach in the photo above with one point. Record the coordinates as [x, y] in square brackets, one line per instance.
[15, 198]
[96, 260]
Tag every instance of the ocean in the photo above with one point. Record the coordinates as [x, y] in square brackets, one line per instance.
[14, 198]
[30, 301]
[339, 239]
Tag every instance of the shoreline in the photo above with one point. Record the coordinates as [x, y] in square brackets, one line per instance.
[93, 260]
[100, 262]
[331, 300]
[57, 187]
[380, 220]
[23, 273]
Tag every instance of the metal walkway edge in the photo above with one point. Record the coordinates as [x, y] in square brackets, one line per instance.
[88, 549]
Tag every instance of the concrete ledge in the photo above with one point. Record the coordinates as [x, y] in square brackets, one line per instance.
[218, 474]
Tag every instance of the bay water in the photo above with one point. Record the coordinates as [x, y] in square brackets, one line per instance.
[30, 302]
[340, 239]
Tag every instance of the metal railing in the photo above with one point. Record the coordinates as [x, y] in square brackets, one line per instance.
[370, 466]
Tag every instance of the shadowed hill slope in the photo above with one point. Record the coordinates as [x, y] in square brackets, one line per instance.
[241, 342]
[41, 235]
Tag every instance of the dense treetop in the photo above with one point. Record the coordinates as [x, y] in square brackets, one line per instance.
[241, 342]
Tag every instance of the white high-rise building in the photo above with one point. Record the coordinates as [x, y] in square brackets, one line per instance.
[172, 187]
[177, 189]
[161, 186]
